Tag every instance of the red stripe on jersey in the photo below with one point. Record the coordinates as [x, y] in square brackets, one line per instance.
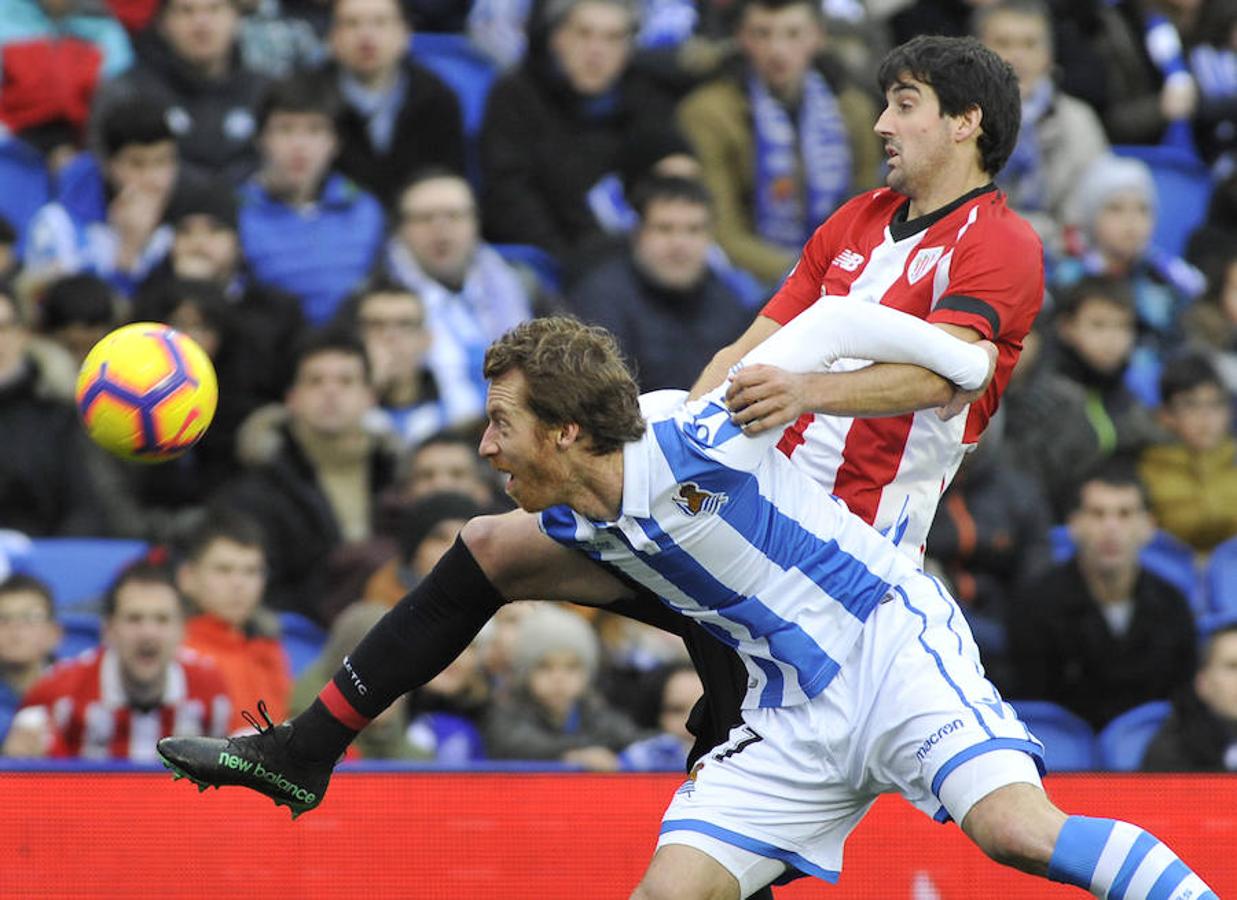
[870, 460]
[338, 706]
[792, 438]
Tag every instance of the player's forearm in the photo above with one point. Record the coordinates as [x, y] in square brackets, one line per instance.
[884, 389]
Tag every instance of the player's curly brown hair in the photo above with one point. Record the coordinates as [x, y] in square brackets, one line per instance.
[575, 373]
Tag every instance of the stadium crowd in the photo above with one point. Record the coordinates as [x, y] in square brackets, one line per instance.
[344, 203]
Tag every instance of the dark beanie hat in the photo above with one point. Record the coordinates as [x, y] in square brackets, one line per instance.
[77, 299]
[644, 149]
[217, 200]
[420, 518]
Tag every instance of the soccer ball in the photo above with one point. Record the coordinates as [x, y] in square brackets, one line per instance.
[146, 392]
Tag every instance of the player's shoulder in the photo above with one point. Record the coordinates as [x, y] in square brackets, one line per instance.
[997, 221]
[879, 203]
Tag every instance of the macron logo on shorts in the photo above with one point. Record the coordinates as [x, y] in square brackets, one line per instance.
[931, 740]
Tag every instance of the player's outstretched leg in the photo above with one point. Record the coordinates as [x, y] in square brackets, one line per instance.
[261, 762]
[1017, 825]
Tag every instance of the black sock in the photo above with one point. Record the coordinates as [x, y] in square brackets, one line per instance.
[411, 644]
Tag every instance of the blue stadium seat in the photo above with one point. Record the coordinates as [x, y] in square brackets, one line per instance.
[1166, 556]
[82, 631]
[542, 263]
[1220, 580]
[78, 570]
[302, 640]
[1184, 186]
[1123, 741]
[1069, 742]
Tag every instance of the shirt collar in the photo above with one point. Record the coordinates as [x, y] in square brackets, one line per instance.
[636, 501]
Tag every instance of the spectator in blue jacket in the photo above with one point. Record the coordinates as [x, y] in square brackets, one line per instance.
[106, 217]
[304, 228]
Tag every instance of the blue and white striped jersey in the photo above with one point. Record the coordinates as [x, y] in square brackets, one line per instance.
[729, 533]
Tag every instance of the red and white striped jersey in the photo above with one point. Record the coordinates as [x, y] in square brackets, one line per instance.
[92, 718]
[974, 263]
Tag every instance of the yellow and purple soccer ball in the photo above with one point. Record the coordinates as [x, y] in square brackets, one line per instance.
[146, 392]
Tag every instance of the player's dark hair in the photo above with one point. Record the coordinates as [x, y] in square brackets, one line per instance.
[1104, 288]
[1116, 472]
[20, 583]
[1185, 373]
[964, 74]
[331, 339]
[84, 299]
[146, 570]
[655, 188]
[305, 93]
[223, 525]
[141, 120]
[574, 373]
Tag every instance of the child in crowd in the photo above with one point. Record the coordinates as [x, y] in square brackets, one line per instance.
[29, 634]
[552, 711]
[1193, 480]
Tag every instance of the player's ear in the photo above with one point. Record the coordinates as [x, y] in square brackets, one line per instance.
[968, 123]
[566, 435]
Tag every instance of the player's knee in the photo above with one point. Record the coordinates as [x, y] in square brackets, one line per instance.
[483, 537]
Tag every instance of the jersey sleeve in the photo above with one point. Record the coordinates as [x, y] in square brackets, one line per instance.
[995, 282]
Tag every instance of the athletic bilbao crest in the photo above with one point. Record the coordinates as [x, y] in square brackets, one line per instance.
[693, 501]
[923, 262]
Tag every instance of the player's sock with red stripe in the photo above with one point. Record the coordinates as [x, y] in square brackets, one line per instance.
[411, 644]
[1110, 858]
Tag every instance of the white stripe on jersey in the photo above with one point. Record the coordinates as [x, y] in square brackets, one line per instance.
[764, 558]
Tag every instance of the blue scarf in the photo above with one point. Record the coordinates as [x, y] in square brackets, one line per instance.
[1023, 176]
[811, 157]
[379, 109]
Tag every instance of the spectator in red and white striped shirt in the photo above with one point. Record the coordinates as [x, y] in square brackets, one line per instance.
[140, 685]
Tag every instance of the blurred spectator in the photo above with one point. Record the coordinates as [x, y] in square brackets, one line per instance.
[1212, 55]
[1060, 135]
[420, 391]
[276, 45]
[1201, 733]
[313, 471]
[1192, 481]
[1115, 210]
[29, 634]
[471, 295]
[668, 309]
[677, 693]
[56, 52]
[553, 127]
[304, 228]
[990, 537]
[398, 117]
[10, 261]
[783, 139]
[1095, 334]
[498, 642]
[107, 213]
[27, 188]
[266, 322]
[189, 63]
[383, 738]
[446, 462]
[1212, 321]
[45, 485]
[76, 312]
[427, 529]
[115, 702]
[552, 711]
[448, 711]
[223, 576]
[1099, 634]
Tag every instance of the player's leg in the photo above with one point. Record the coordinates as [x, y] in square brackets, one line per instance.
[679, 872]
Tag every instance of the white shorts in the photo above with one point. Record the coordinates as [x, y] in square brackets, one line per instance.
[909, 711]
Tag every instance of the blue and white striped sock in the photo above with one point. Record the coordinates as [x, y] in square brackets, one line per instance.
[1120, 861]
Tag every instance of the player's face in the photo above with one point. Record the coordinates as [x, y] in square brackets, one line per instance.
[672, 243]
[1110, 526]
[438, 224]
[558, 681]
[200, 31]
[368, 37]
[517, 444]
[330, 395]
[144, 632]
[1216, 682]
[592, 45]
[27, 631]
[1022, 41]
[916, 136]
[297, 149]
[204, 247]
[780, 44]
[1123, 227]
[227, 580]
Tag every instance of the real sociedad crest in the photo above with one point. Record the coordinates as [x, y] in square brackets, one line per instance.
[923, 262]
[693, 501]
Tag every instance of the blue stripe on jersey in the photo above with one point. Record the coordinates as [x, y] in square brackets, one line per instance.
[719, 417]
[559, 523]
[787, 641]
[754, 845]
[783, 540]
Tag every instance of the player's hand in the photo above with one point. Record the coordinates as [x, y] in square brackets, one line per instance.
[762, 397]
[961, 399]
